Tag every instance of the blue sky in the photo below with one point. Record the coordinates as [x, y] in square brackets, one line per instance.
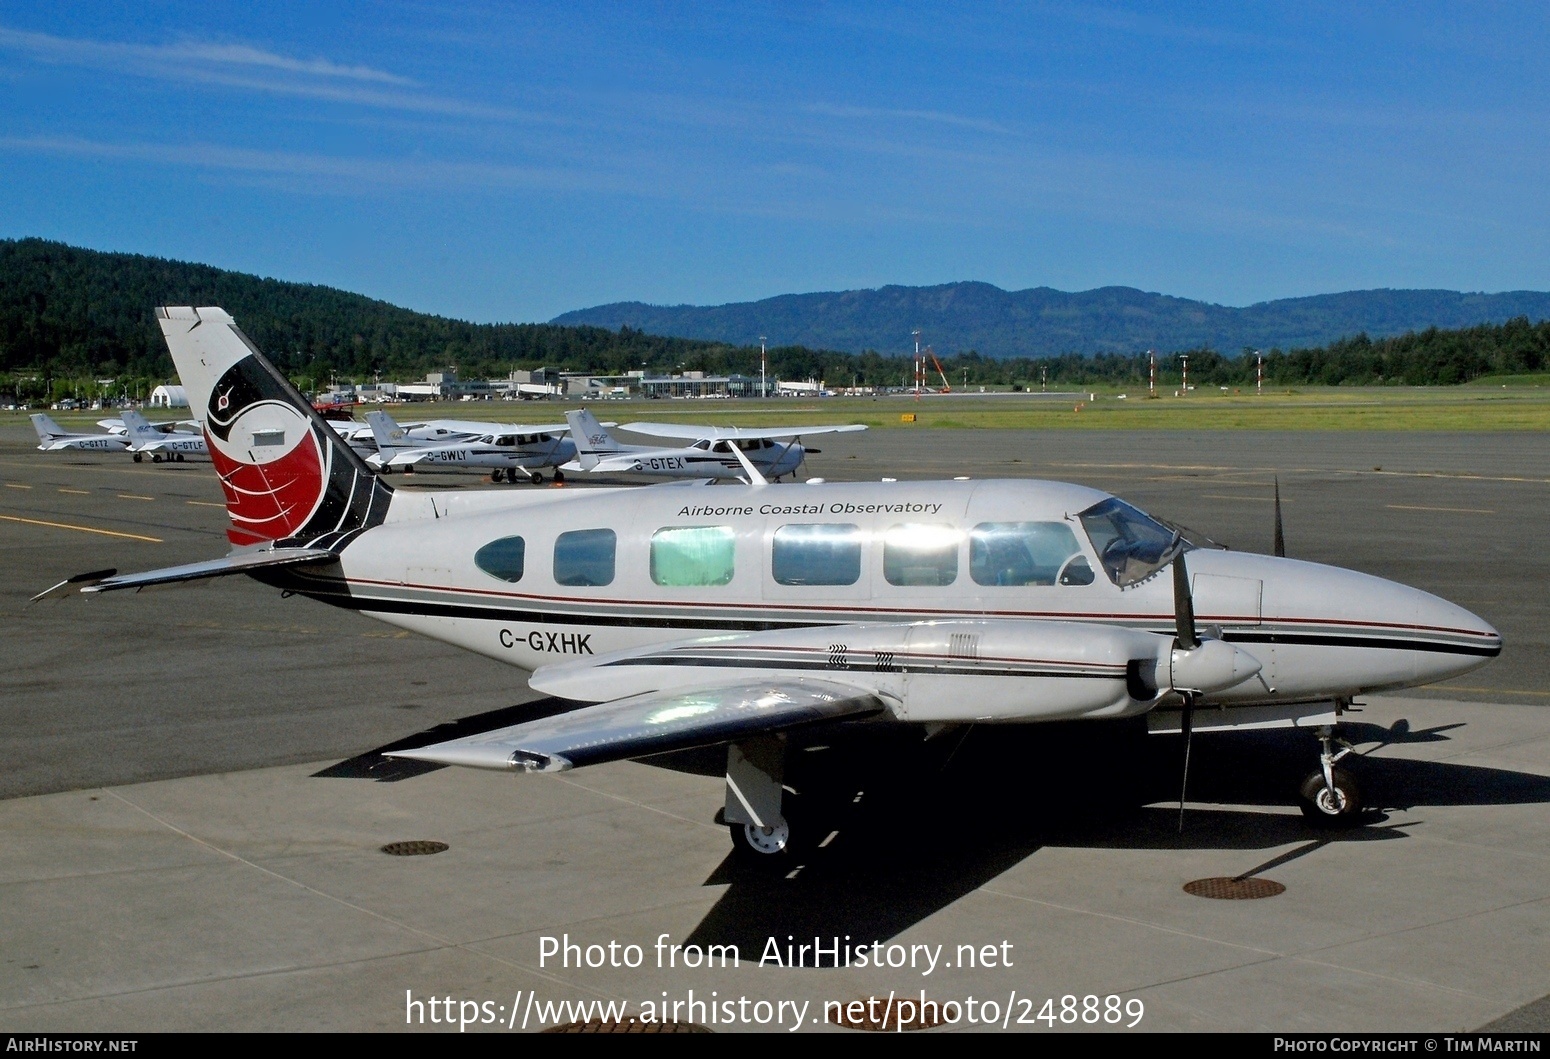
[514, 161]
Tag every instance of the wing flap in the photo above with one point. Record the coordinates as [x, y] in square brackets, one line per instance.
[241, 563]
[652, 723]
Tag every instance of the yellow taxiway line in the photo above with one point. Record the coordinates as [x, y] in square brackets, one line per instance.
[82, 529]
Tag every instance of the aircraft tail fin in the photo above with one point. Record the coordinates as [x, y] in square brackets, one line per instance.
[138, 429]
[289, 478]
[591, 438]
[47, 429]
[389, 436]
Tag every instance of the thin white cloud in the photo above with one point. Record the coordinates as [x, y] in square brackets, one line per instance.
[148, 57]
[934, 116]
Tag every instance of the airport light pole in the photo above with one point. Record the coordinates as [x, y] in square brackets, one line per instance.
[1184, 384]
[920, 372]
[1151, 376]
[764, 386]
[1259, 374]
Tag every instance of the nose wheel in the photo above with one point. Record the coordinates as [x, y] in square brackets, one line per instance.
[1330, 796]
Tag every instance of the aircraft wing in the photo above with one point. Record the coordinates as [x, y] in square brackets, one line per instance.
[240, 563]
[697, 433]
[653, 723]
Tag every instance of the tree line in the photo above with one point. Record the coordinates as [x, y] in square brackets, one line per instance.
[69, 314]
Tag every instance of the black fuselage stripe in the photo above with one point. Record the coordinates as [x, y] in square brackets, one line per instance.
[965, 669]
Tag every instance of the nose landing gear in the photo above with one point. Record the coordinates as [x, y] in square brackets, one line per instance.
[1330, 796]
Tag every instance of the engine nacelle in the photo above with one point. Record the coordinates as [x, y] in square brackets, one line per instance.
[944, 671]
[1213, 666]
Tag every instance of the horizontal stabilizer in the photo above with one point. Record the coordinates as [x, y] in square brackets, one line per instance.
[652, 723]
[240, 563]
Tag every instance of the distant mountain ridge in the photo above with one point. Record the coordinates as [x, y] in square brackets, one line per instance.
[1043, 322]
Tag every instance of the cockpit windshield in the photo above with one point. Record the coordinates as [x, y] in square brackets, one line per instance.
[1131, 545]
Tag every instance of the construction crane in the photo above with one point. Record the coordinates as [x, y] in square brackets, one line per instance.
[920, 368]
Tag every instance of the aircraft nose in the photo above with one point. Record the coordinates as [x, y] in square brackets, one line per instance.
[1456, 640]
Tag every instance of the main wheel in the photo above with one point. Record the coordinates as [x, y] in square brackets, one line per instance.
[139, 456]
[537, 479]
[179, 457]
[559, 476]
[497, 474]
[155, 457]
[765, 848]
[1338, 808]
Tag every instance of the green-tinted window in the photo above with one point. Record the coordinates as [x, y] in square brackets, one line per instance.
[692, 555]
[816, 554]
[921, 553]
[502, 558]
[585, 558]
[1026, 553]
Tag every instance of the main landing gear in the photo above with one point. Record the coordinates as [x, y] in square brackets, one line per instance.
[1330, 797]
[509, 475]
[758, 805]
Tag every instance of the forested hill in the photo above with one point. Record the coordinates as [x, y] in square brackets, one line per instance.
[65, 309]
[1042, 322]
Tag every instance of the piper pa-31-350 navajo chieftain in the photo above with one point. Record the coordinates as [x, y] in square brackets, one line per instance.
[678, 616]
[774, 451]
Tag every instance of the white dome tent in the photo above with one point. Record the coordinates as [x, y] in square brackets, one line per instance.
[169, 397]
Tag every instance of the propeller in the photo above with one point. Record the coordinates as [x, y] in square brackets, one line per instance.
[1185, 639]
[1280, 538]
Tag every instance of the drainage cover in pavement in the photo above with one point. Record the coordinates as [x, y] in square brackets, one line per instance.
[1226, 889]
[414, 849]
[884, 1014]
[627, 1026]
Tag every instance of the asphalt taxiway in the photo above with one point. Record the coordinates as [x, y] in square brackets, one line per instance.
[193, 820]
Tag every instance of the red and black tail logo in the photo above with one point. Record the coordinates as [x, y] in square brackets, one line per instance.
[287, 476]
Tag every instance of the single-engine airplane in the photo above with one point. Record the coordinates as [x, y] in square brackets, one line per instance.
[511, 452]
[54, 438]
[677, 617]
[144, 439]
[775, 451]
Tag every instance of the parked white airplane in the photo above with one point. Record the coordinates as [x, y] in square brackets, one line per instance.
[166, 426]
[513, 451]
[775, 451]
[693, 617]
[144, 439]
[54, 438]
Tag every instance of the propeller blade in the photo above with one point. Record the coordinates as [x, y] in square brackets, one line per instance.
[1187, 727]
[1183, 606]
[1280, 539]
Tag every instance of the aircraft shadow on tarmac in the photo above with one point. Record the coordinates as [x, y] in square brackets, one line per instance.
[912, 825]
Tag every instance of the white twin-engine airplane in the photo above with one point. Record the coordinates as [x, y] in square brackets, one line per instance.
[679, 617]
[54, 438]
[511, 451]
[145, 439]
[774, 451]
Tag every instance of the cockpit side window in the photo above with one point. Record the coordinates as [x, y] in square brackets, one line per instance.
[1131, 545]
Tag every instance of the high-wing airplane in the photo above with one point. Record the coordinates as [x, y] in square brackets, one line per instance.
[116, 425]
[774, 451]
[677, 617]
[145, 439]
[512, 451]
[54, 438]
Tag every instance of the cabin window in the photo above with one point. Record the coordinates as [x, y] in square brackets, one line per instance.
[816, 554]
[585, 558]
[502, 558]
[687, 556]
[921, 553]
[1026, 553]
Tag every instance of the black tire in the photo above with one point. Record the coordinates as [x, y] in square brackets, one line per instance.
[757, 854]
[559, 476]
[179, 457]
[139, 456]
[537, 479]
[1341, 809]
[155, 458]
[497, 474]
